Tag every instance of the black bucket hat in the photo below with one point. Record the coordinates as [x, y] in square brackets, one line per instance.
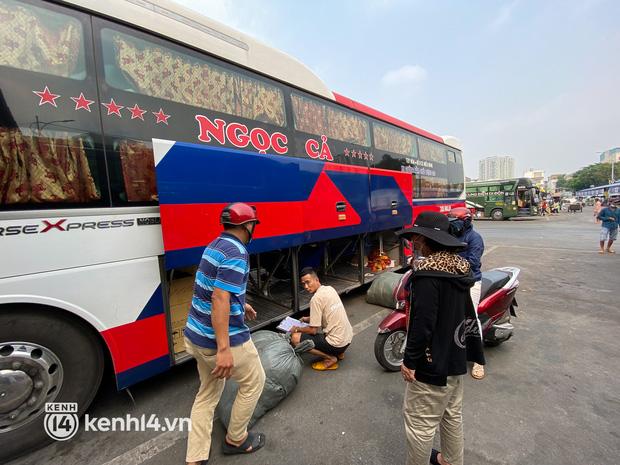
[436, 227]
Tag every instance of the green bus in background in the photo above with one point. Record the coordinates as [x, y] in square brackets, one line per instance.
[502, 199]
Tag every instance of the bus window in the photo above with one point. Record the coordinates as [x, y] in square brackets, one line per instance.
[138, 171]
[50, 150]
[434, 187]
[455, 174]
[37, 39]
[144, 67]
[431, 151]
[314, 117]
[394, 140]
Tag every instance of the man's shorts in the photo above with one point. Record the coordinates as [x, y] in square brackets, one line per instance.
[321, 344]
[612, 234]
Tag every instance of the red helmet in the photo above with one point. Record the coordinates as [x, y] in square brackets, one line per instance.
[461, 213]
[238, 213]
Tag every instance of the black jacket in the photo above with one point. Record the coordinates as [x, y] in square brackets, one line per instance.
[443, 331]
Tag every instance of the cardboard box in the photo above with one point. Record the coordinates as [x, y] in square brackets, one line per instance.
[181, 293]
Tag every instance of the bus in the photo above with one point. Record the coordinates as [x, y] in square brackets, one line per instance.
[100, 237]
[610, 192]
[503, 198]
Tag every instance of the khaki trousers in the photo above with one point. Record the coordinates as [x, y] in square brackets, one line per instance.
[247, 372]
[426, 407]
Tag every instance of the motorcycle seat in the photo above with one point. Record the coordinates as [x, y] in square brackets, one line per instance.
[492, 281]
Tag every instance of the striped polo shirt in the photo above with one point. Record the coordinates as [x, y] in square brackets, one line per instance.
[224, 265]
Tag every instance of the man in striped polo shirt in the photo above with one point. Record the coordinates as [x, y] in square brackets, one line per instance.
[218, 338]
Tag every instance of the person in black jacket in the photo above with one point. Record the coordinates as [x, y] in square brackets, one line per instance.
[443, 335]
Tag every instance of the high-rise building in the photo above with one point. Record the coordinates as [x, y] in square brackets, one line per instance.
[496, 168]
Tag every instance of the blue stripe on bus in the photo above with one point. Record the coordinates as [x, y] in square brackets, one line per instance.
[154, 306]
[147, 370]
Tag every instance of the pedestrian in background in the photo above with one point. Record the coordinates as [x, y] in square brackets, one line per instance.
[597, 209]
[442, 335]
[218, 338]
[610, 216]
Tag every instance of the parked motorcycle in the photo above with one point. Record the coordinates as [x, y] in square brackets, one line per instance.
[497, 306]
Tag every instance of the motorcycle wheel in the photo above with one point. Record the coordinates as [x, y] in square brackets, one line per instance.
[388, 349]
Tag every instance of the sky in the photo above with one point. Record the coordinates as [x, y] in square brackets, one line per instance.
[536, 80]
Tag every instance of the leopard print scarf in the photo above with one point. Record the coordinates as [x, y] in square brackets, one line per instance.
[443, 261]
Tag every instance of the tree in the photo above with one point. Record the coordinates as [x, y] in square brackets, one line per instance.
[593, 175]
[562, 182]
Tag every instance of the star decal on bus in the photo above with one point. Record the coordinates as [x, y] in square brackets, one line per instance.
[137, 112]
[113, 108]
[46, 97]
[82, 103]
[161, 116]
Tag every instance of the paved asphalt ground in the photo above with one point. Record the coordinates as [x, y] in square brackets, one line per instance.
[551, 395]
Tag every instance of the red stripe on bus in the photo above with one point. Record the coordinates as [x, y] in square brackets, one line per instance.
[436, 207]
[347, 102]
[194, 225]
[136, 343]
[404, 181]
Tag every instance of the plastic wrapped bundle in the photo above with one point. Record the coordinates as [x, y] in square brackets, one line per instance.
[381, 290]
[282, 373]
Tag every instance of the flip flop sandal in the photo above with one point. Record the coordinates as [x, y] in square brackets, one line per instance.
[434, 459]
[320, 366]
[611, 251]
[255, 440]
[601, 252]
[477, 371]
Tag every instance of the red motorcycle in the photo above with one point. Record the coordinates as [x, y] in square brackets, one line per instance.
[497, 305]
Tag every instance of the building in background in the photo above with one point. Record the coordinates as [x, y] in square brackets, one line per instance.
[537, 177]
[552, 182]
[611, 155]
[496, 168]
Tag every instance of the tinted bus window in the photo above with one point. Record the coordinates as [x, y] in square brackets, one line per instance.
[50, 147]
[432, 151]
[147, 68]
[40, 40]
[456, 176]
[151, 87]
[394, 140]
[318, 118]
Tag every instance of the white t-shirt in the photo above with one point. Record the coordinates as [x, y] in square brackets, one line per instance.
[327, 312]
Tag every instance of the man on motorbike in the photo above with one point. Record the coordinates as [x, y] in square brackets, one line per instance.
[463, 229]
[443, 334]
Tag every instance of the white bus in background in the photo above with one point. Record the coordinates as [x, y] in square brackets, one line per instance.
[85, 280]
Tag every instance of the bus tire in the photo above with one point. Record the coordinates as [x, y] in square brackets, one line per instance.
[497, 214]
[45, 356]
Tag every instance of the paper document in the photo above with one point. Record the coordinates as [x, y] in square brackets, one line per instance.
[287, 323]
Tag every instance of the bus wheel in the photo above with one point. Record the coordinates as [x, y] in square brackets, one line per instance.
[497, 214]
[44, 357]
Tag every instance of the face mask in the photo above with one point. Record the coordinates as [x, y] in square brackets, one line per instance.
[250, 231]
[457, 227]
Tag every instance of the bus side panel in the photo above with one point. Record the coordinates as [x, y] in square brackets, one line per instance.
[57, 240]
[195, 182]
[339, 204]
[391, 194]
[297, 200]
[123, 301]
